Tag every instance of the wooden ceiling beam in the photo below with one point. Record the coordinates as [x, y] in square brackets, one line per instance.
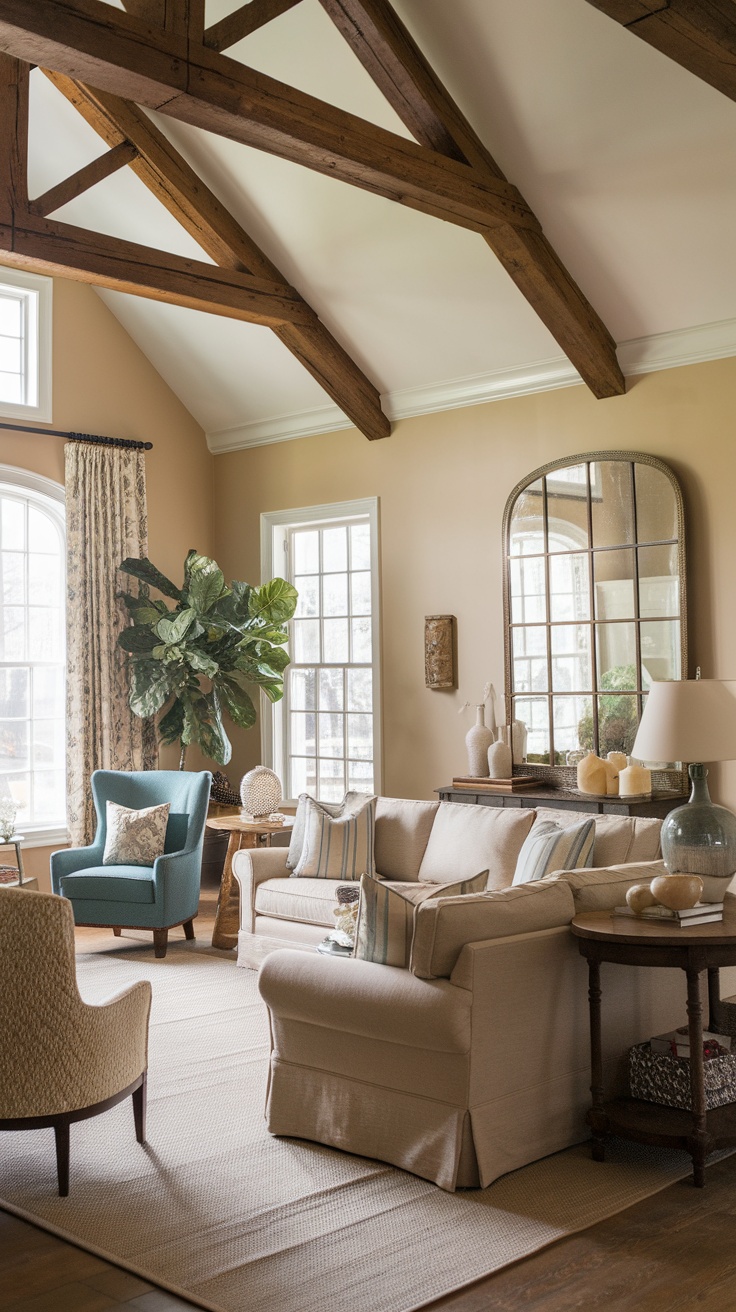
[389, 53]
[99, 169]
[700, 35]
[175, 184]
[91, 41]
[243, 21]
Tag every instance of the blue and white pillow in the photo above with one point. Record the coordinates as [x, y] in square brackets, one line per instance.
[549, 848]
[339, 847]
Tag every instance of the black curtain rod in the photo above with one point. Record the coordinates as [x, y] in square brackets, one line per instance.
[93, 438]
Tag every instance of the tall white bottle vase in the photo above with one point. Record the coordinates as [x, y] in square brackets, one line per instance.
[478, 740]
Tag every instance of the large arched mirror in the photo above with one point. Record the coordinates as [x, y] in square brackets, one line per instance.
[594, 601]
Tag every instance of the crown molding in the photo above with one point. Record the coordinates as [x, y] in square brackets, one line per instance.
[641, 355]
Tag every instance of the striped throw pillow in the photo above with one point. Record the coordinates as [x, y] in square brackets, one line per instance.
[549, 848]
[386, 915]
[337, 847]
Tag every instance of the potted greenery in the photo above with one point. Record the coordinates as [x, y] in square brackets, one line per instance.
[195, 659]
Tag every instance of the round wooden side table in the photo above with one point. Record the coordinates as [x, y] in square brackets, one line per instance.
[629, 942]
[243, 833]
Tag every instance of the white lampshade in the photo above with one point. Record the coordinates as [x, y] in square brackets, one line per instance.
[690, 720]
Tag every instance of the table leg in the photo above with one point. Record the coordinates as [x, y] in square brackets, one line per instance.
[698, 1141]
[19, 860]
[597, 1116]
[227, 916]
[714, 998]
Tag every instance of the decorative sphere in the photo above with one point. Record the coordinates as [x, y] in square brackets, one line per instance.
[639, 897]
[678, 892]
[260, 791]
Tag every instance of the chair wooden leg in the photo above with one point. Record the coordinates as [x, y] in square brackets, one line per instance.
[189, 928]
[160, 942]
[117, 931]
[61, 1135]
[139, 1109]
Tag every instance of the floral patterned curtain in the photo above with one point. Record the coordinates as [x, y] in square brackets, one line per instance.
[106, 521]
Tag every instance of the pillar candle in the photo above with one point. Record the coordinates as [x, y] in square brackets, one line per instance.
[634, 780]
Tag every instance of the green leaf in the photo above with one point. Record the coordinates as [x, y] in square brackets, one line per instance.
[274, 602]
[150, 688]
[199, 661]
[171, 725]
[237, 703]
[173, 629]
[139, 638]
[206, 583]
[143, 569]
[212, 739]
[141, 609]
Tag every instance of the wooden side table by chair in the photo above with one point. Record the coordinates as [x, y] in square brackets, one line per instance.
[243, 833]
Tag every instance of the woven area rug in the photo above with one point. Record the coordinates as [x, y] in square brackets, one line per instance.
[217, 1210]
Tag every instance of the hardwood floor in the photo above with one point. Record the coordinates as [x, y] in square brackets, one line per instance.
[673, 1252]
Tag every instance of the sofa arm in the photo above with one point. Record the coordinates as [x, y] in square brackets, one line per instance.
[70, 859]
[251, 867]
[605, 887]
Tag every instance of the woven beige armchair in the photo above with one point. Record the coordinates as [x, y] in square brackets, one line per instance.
[62, 1060]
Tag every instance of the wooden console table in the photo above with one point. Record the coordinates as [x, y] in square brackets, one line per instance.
[628, 942]
[243, 833]
[563, 799]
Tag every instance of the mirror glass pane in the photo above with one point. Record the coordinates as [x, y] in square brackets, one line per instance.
[534, 714]
[573, 726]
[569, 587]
[567, 508]
[656, 505]
[615, 585]
[526, 533]
[660, 651]
[528, 590]
[618, 721]
[616, 656]
[530, 659]
[659, 582]
[612, 503]
[571, 667]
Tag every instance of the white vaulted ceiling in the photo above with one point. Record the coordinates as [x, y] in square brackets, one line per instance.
[628, 160]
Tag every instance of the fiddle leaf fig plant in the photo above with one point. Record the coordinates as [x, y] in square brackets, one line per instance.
[197, 658]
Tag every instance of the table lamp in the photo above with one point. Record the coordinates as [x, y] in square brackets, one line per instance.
[693, 720]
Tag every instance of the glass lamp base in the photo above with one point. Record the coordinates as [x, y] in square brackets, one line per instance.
[699, 838]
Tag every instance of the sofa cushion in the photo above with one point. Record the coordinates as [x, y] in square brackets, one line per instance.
[350, 805]
[618, 838]
[402, 830]
[110, 884]
[340, 847]
[310, 901]
[548, 847]
[442, 927]
[466, 839]
[604, 889]
[386, 915]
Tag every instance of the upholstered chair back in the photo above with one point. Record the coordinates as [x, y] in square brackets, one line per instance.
[187, 793]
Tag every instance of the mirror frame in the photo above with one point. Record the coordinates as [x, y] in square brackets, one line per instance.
[562, 773]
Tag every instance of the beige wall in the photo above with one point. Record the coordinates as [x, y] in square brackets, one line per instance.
[443, 481]
[104, 384]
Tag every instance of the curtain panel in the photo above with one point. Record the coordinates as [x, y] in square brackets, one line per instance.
[106, 521]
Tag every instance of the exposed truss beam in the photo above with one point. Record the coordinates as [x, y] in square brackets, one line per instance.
[389, 53]
[102, 46]
[102, 167]
[248, 18]
[698, 34]
[175, 184]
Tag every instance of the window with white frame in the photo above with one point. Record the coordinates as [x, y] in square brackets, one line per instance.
[323, 738]
[32, 666]
[25, 345]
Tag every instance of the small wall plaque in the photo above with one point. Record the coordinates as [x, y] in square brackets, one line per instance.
[439, 651]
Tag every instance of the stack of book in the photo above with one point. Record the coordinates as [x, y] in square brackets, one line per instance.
[703, 913]
[677, 1044]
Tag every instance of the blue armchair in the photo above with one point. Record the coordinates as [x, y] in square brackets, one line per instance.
[153, 897]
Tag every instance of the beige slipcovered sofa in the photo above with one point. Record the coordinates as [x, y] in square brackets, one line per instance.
[475, 1061]
[435, 841]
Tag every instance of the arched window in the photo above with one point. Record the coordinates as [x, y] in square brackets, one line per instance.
[32, 666]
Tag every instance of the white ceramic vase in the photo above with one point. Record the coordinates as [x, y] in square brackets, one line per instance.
[478, 740]
[260, 792]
